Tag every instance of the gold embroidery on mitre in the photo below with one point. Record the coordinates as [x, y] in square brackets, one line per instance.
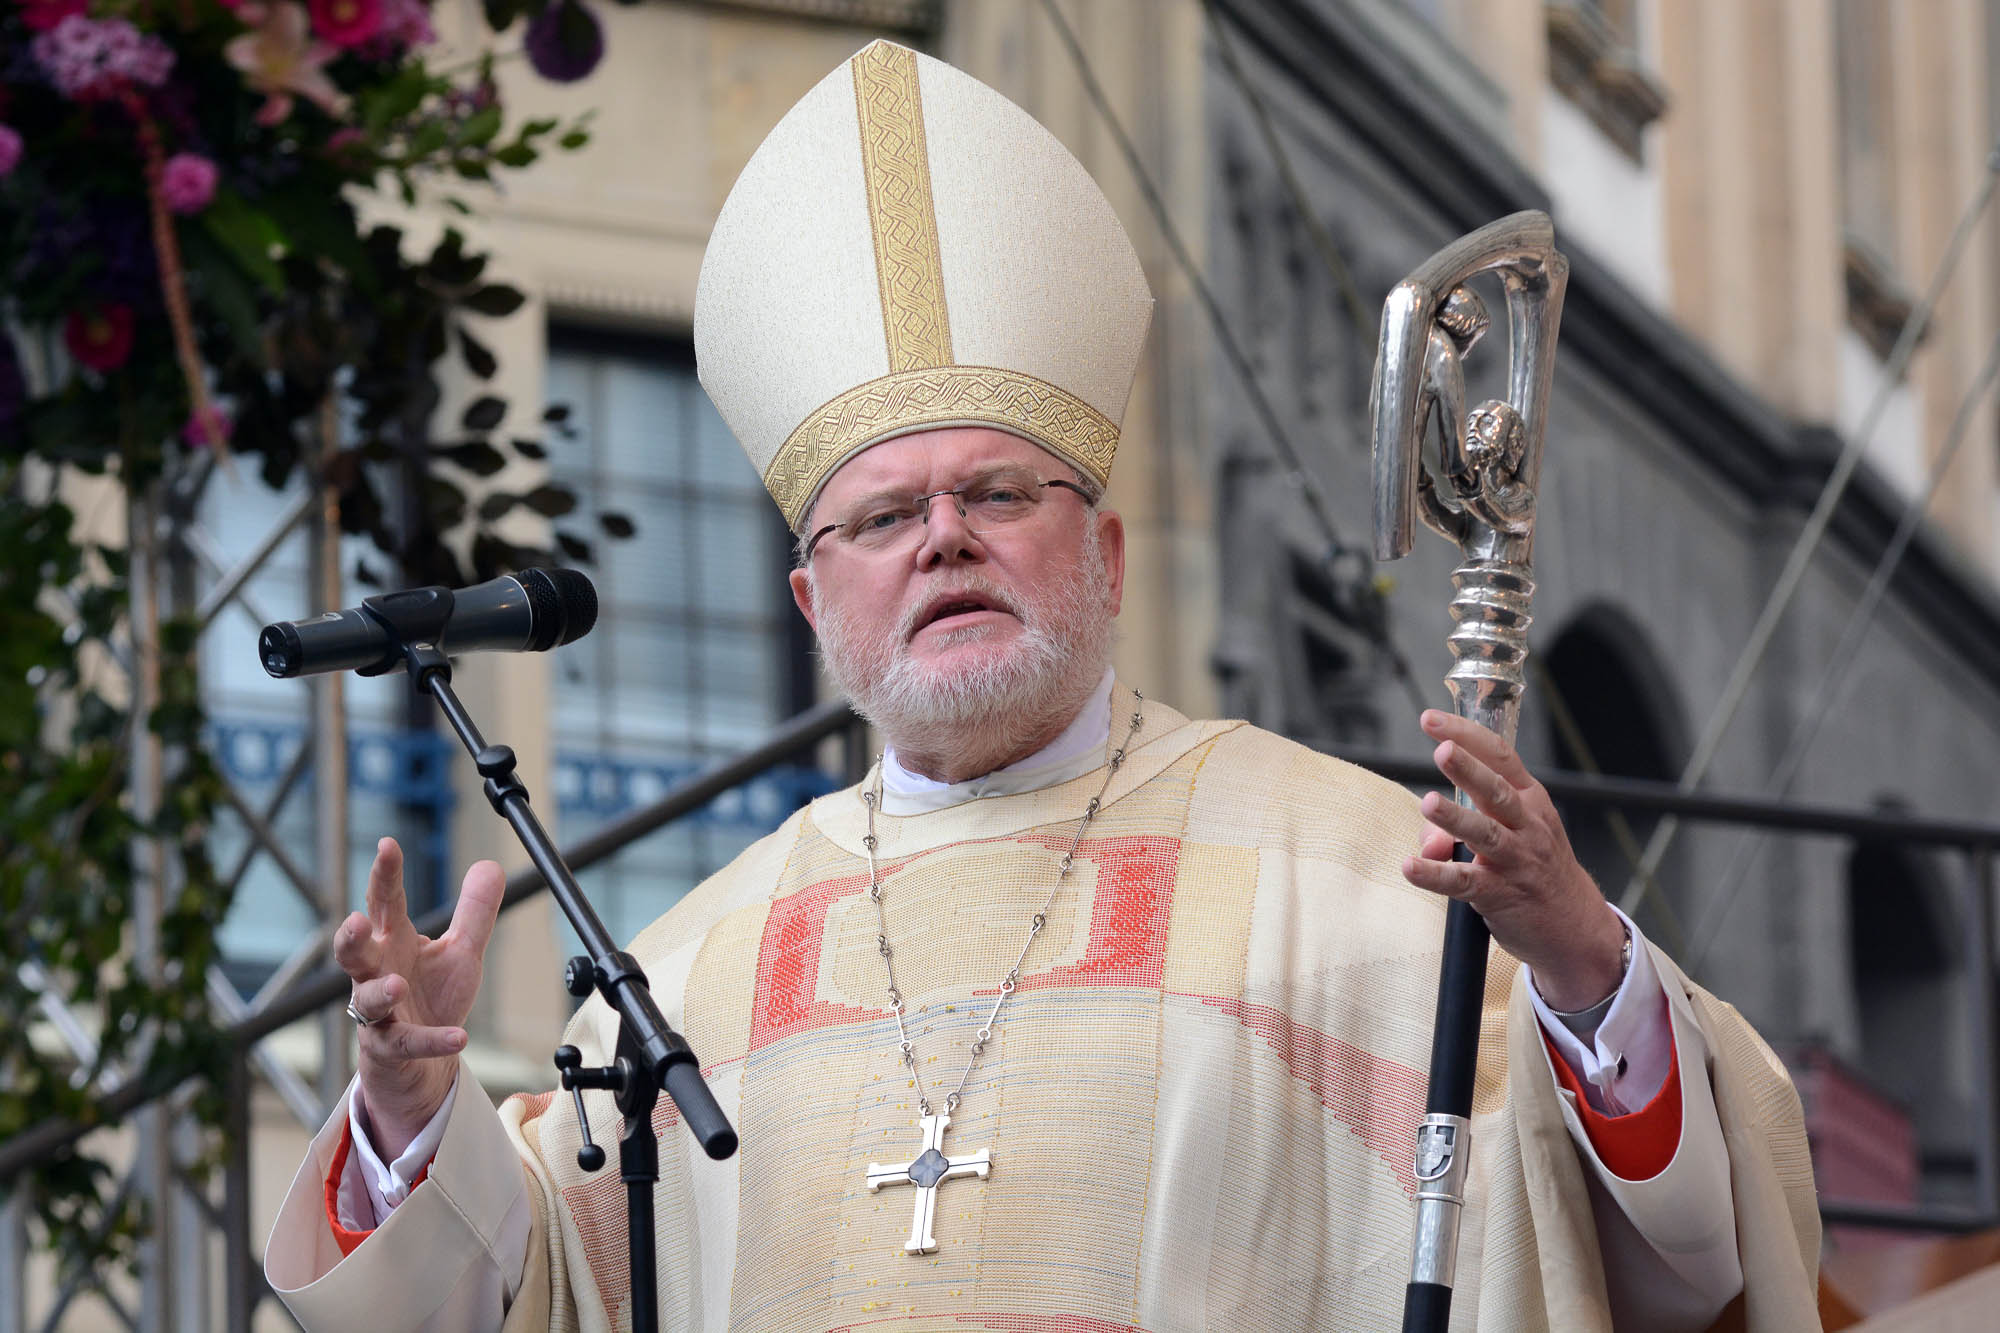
[896, 171]
[933, 397]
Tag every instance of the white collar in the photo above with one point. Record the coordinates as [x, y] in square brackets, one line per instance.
[1078, 750]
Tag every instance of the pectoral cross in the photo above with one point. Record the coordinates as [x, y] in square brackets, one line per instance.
[930, 1169]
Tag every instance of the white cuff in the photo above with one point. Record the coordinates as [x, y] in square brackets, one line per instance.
[389, 1185]
[1632, 1051]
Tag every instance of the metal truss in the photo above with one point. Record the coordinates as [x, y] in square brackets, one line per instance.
[172, 555]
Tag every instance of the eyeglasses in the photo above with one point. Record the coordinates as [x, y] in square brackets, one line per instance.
[992, 500]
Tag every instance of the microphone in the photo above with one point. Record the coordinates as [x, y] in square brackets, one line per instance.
[529, 612]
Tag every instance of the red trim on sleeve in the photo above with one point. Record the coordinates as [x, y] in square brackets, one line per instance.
[349, 1241]
[1637, 1146]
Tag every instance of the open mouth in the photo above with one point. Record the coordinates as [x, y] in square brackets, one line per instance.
[953, 608]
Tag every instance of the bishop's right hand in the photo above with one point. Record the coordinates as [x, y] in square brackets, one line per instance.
[415, 992]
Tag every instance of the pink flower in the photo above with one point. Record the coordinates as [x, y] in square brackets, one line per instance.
[214, 427]
[91, 59]
[279, 59]
[405, 24]
[10, 149]
[346, 23]
[100, 338]
[187, 183]
[41, 15]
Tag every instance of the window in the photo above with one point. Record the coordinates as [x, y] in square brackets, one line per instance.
[698, 650]
[1594, 61]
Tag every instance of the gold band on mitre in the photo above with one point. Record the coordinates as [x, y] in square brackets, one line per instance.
[928, 399]
[908, 250]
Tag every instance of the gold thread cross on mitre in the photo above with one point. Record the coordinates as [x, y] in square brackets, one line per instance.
[929, 1169]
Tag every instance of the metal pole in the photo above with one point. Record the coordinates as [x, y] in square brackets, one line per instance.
[330, 752]
[192, 1250]
[14, 1265]
[239, 1262]
[193, 1253]
[1985, 1057]
[154, 1165]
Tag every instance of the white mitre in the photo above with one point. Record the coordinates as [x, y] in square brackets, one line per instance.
[909, 250]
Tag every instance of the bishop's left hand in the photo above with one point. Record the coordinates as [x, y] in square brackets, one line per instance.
[1542, 905]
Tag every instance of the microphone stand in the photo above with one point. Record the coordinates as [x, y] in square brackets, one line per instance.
[650, 1054]
[1480, 494]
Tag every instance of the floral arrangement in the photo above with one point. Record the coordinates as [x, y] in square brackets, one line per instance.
[185, 276]
[171, 171]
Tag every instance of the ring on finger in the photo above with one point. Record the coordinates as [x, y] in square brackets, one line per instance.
[360, 1019]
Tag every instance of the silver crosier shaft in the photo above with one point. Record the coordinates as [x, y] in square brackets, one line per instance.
[1476, 487]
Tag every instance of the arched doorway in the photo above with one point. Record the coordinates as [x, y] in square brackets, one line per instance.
[1615, 712]
[1907, 960]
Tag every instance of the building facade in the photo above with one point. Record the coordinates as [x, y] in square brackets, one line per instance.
[1753, 194]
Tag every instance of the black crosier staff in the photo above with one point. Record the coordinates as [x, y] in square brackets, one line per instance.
[1477, 489]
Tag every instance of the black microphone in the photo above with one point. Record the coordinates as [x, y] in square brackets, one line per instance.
[529, 612]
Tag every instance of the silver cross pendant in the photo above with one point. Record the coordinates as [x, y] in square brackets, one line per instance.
[927, 1171]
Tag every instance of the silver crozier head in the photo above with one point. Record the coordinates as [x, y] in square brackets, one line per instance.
[1477, 486]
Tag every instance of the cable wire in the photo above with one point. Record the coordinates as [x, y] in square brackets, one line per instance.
[1305, 483]
[1826, 693]
[1807, 544]
[1560, 713]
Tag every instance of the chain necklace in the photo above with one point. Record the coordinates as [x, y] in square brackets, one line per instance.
[932, 1167]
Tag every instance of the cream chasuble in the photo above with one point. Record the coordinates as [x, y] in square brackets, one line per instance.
[1197, 1111]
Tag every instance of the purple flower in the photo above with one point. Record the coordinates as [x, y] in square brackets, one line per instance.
[10, 149]
[564, 42]
[187, 183]
[90, 58]
[407, 23]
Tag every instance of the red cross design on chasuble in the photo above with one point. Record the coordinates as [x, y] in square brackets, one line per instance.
[1126, 945]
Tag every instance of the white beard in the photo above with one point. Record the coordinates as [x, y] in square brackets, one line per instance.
[998, 703]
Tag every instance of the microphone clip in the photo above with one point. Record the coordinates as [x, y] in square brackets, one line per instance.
[415, 619]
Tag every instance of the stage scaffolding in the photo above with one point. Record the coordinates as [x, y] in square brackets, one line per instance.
[201, 1267]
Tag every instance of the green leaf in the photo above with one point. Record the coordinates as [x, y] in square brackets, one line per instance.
[326, 229]
[223, 288]
[500, 14]
[531, 449]
[616, 525]
[556, 413]
[444, 502]
[383, 106]
[478, 358]
[450, 265]
[575, 139]
[475, 456]
[480, 127]
[429, 137]
[550, 501]
[516, 155]
[249, 235]
[485, 412]
[576, 548]
[496, 299]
